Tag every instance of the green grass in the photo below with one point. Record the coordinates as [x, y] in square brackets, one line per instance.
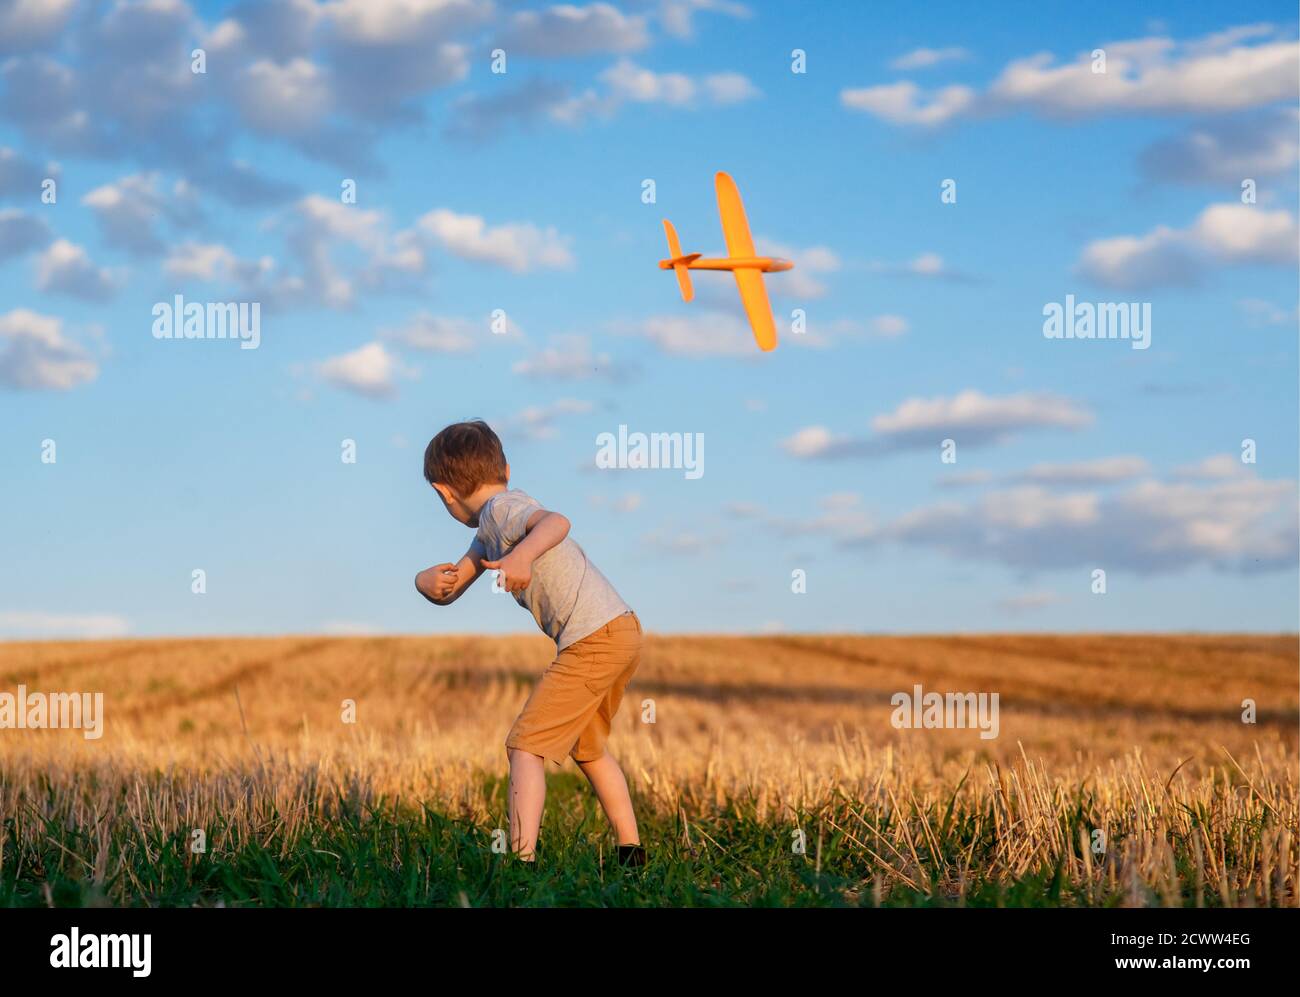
[374, 854]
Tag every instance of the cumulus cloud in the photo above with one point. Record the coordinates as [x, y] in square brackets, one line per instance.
[65, 268]
[129, 211]
[677, 17]
[810, 264]
[971, 418]
[629, 502]
[924, 58]
[323, 78]
[21, 176]
[905, 103]
[569, 358]
[21, 232]
[566, 31]
[1028, 602]
[370, 371]
[32, 24]
[703, 333]
[1228, 71]
[17, 624]
[479, 117]
[928, 266]
[516, 246]
[1242, 525]
[1223, 235]
[1103, 470]
[436, 334]
[1226, 151]
[36, 355]
[537, 422]
[1216, 467]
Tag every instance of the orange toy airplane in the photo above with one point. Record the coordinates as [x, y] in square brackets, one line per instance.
[740, 260]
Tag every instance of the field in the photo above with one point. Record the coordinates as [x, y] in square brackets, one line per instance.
[1123, 774]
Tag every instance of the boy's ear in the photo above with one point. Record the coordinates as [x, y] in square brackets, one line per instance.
[445, 491]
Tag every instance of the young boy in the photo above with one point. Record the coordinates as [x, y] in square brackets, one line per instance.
[597, 636]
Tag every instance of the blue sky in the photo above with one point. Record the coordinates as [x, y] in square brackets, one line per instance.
[522, 191]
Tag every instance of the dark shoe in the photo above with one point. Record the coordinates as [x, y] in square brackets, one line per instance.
[631, 855]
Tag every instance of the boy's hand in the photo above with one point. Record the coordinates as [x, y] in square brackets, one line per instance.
[443, 580]
[516, 572]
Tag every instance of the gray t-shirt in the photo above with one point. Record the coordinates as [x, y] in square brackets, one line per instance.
[568, 596]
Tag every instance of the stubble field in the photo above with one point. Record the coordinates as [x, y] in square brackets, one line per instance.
[771, 774]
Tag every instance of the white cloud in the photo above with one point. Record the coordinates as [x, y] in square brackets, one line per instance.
[925, 265]
[801, 282]
[705, 333]
[970, 418]
[906, 104]
[21, 232]
[1242, 525]
[519, 247]
[629, 502]
[36, 355]
[629, 82]
[1226, 151]
[889, 326]
[29, 24]
[1229, 234]
[64, 268]
[565, 31]
[369, 370]
[203, 261]
[130, 209]
[569, 358]
[975, 416]
[290, 100]
[677, 16]
[348, 628]
[537, 422]
[1219, 73]
[1103, 470]
[436, 334]
[20, 177]
[27, 625]
[1214, 468]
[1028, 602]
[924, 58]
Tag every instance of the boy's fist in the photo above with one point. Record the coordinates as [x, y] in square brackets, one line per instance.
[515, 574]
[440, 581]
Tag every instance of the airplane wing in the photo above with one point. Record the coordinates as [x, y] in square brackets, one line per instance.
[734, 225]
[754, 297]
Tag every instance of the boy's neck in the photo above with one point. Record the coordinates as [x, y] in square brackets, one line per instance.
[481, 495]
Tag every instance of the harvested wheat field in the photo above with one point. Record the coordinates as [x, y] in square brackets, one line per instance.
[1122, 774]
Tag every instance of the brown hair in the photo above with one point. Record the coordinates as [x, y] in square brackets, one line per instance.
[465, 455]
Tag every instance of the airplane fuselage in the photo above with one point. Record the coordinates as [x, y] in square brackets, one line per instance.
[767, 264]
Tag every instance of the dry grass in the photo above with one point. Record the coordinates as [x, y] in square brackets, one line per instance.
[1138, 737]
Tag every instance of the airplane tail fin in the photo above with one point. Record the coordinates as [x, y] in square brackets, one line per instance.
[678, 262]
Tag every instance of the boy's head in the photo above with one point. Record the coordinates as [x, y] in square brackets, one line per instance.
[465, 463]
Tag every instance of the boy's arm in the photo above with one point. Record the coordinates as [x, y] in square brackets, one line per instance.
[443, 583]
[543, 531]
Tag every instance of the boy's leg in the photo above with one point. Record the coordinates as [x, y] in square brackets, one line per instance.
[527, 797]
[607, 781]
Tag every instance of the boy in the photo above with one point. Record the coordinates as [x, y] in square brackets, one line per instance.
[597, 636]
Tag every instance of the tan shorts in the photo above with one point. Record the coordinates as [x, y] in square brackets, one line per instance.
[574, 702]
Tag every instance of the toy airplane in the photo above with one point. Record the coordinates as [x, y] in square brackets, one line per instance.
[740, 260]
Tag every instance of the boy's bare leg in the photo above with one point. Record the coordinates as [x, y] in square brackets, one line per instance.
[607, 780]
[527, 797]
